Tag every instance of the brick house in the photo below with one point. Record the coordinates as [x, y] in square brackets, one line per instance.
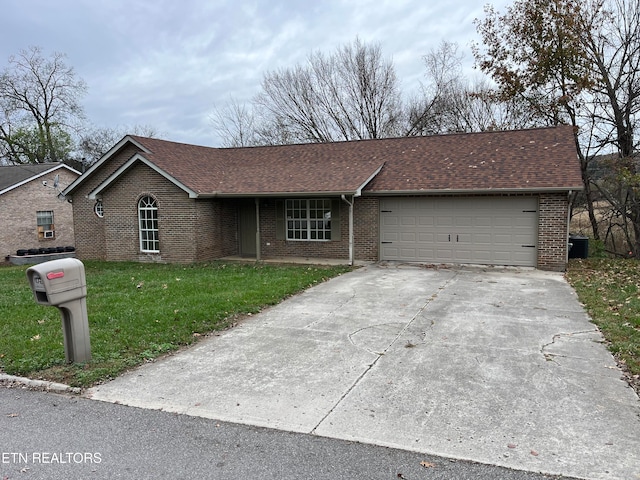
[32, 214]
[493, 198]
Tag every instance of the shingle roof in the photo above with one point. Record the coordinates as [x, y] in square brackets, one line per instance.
[534, 159]
[305, 168]
[13, 175]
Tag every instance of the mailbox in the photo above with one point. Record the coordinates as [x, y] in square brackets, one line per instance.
[61, 283]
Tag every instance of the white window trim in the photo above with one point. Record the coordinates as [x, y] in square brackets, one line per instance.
[152, 207]
[307, 219]
[98, 209]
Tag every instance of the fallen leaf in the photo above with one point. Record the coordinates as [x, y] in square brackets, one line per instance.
[427, 464]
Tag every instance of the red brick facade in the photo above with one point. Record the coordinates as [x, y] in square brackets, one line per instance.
[192, 230]
[201, 229]
[553, 231]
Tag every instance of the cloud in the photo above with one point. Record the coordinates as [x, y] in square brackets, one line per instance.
[165, 64]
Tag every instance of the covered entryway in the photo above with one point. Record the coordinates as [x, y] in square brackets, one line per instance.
[479, 230]
[247, 229]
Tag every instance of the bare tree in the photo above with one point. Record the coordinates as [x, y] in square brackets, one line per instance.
[94, 142]
[612, 48]
[236, 124]
[451, 102]
[352, 94]
[40, 105]
[533, 52]
[578, 63]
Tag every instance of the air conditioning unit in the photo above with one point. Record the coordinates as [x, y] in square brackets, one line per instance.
[49, 234]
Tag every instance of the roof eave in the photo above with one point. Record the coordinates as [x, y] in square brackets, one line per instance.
[39, 175]
[484, 191]
[327, 193]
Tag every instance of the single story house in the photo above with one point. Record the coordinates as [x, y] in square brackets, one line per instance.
[493, 198]
[33, 216]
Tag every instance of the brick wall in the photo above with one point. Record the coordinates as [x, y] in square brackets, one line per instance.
[206, 229]
[18, 207]
[215, 229]
[176, 218]
[366, 236]
[552, 232]
[366, 217]
[271, 247]
[90, 231]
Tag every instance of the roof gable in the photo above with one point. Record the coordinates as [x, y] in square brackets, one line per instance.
[14, 176]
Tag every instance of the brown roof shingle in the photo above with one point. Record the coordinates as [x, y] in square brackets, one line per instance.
[535, 159]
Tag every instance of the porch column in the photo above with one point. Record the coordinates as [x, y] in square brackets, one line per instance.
[257, 200]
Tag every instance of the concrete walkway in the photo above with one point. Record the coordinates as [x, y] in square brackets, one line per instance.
[497, 366]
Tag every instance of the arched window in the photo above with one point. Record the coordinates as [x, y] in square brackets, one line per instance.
[98, 209]
[148, 224]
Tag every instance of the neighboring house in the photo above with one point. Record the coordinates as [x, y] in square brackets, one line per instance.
[32, 215]
[493, 198]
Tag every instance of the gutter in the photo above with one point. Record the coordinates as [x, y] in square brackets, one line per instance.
[490, 191]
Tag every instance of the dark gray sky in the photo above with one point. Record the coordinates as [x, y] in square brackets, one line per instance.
[166, 63]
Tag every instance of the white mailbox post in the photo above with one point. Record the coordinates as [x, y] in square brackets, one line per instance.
[61, 283]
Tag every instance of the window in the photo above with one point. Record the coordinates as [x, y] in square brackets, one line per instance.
[308, 219]
[148, 224]
[98, 209]
[44, 222]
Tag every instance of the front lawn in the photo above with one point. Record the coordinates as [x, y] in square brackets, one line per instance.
[610, 291]
[138, 312]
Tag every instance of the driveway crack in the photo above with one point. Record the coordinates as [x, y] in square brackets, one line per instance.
[550, 356]
[379, 355]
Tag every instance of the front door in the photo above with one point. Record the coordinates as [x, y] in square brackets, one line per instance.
[247, 232]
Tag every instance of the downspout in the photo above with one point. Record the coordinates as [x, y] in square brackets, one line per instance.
[257, 200]
[344, 199]
[569, 200]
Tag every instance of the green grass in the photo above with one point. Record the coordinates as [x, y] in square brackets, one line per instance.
[138, 312]
[610, 291]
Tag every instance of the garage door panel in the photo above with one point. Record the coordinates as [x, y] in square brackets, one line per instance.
[444, 255]
[485, 230]
[390, 236]
[408, 237]
[464, 221]
[482, 238]
[426, 237]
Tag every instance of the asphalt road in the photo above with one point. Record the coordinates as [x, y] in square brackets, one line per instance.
[54, 436]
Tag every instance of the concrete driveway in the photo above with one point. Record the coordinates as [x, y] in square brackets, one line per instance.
[499, 366]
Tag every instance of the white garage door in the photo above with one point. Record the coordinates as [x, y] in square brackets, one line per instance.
[480, 230]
